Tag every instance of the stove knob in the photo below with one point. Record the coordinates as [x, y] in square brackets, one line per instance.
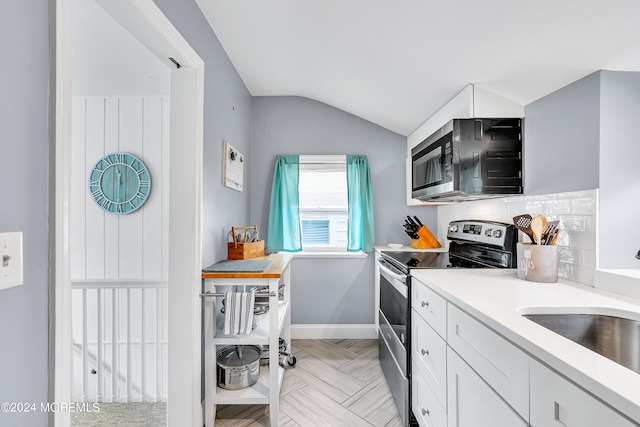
[488, 232]
[453, 229]
[497, 234]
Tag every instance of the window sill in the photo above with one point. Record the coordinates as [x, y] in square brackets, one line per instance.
[320, 254]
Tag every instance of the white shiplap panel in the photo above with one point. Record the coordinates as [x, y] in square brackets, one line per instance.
[153, 236]
[94, 256]
[131, 225]
[78, 189]
[111, 229]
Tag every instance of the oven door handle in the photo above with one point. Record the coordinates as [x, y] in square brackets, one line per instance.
[384, 269]
[398, 281]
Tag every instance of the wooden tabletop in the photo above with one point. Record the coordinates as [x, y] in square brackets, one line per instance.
[279, 263]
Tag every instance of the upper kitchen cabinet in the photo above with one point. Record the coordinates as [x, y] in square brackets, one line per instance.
[471, 102]
[561, 139]
[584, 136]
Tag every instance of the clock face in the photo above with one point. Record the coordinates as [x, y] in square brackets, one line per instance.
[120, 183]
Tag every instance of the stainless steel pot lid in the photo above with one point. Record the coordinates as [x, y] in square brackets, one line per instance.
[234, 356]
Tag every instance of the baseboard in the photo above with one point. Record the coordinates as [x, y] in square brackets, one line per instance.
[319, 331]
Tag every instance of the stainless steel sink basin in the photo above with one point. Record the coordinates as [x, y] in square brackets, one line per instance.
[615, 338]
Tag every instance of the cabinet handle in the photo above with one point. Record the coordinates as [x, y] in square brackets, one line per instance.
[425, 412]
[424, 352]
[424, 303]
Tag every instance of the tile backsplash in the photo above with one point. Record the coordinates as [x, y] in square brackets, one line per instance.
[577, 214]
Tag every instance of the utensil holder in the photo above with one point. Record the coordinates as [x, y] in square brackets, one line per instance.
[537, 263]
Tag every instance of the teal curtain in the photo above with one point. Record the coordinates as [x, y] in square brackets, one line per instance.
[360, 194]
[283, 233]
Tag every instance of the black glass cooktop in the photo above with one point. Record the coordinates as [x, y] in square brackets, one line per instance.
[457, 257]
[419, 259]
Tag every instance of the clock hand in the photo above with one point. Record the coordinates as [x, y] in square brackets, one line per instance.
[119, 184]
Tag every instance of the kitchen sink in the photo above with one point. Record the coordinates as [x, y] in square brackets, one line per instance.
[616, 338]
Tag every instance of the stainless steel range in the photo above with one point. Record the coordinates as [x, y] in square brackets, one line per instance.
[473, 244]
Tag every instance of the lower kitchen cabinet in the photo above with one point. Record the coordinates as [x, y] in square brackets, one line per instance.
[556, 401]
[471, 402]
[426, 407]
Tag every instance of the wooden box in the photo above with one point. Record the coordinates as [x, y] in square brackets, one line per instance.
[245, 250]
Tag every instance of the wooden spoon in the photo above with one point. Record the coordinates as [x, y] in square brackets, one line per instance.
[537, 227]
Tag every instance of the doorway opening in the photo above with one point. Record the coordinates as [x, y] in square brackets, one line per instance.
[167, 280]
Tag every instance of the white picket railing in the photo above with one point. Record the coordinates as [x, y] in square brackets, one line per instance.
[120, 349]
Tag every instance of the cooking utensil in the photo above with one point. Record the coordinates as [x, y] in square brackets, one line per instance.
[523, 223]
[417, 220]
[553, 237]
[548, 231]
[238, 366]
[537, 226]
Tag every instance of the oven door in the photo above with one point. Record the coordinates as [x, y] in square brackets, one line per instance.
[432, 167]
[394, 310]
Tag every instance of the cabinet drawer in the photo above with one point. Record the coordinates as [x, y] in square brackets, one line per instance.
[431, 306]
[472, 403]
[424, 404]
[502, 365]
[556, 401]
[429, 351]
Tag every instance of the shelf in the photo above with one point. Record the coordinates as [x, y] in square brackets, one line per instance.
[257, 394]
[259, 335]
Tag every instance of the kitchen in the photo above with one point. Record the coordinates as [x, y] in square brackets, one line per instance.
[296, 119]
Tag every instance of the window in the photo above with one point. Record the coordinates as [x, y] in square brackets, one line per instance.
[322, 192]
[324, 201]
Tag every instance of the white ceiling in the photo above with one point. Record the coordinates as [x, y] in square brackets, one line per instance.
[395, 62]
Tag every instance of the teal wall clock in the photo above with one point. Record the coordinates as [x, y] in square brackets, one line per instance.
[120, 183]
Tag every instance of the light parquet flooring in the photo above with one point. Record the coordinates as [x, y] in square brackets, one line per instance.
[334, 383]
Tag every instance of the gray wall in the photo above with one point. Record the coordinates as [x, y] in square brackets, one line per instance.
[619, 239]
[561, 139]
[24, 173]
[331, 291]
[584, 136]
[227, 115]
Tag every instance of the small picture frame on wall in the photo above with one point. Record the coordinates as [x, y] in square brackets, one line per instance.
[232, 167]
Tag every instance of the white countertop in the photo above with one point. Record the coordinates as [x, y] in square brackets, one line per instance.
[498, 298]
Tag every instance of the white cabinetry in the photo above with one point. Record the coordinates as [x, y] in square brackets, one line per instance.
[463, 373]
[472, 403]
[429, 356]
[557, 402]
[471, 102]
[503, 366]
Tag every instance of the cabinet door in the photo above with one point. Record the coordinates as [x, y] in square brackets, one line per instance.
[471, 402]
[500, 363]
[557, 402]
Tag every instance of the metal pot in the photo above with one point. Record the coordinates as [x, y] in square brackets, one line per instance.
[238, 366]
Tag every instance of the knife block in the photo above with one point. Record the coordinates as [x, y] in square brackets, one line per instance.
[425, 240]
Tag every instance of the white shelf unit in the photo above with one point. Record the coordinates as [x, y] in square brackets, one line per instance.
[269, 327]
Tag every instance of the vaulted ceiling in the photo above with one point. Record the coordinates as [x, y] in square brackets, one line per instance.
[395, 62]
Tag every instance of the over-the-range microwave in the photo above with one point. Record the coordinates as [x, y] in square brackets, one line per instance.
[469, 159]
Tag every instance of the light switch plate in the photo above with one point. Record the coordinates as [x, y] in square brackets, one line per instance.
[10, 260]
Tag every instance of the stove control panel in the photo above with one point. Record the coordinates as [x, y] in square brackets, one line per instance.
[485, 232]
